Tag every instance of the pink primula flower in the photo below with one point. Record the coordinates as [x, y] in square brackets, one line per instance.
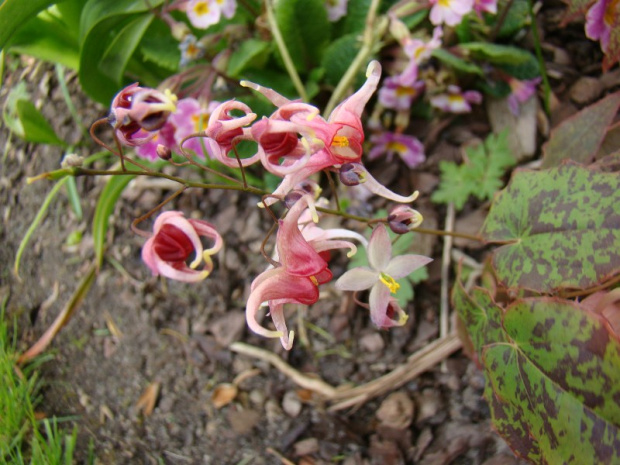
[522, 91]
[164, 137]
[419, 51]
[455, 101]
[489, 6]
[399, 92]
[600, 21]
[191, 118]
[449, 12]
[380, 277]
[176, 240]
[409, 148]
[205, 13]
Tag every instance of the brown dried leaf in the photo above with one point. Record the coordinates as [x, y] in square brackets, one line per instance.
[223, 394]
[148, 399]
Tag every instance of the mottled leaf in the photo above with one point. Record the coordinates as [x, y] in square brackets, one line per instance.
[579, 137]
[560, 227]
[554, 387]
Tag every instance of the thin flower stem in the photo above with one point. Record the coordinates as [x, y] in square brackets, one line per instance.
[137, 221]
[371, 32]
[444, 317]
[500, 21]
[286, 57]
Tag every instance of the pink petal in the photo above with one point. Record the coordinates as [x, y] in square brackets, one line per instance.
[379, 249]
[357, 279]
[379, 299]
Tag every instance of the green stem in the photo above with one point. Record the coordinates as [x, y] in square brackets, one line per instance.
[539, 56]
[371, 31]
[60, 74]
[37, 219]
[286, 57]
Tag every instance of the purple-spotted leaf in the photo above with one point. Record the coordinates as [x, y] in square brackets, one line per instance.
[557, 379]
[579, 137]
[560, 228]
[553, 376]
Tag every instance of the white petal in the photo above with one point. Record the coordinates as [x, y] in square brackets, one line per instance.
[357, 279]
[379, 248]
[379, 299]
[404, 265]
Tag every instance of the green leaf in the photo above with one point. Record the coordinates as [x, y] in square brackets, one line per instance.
[160, 48]
[355, 19]
[480, 174]
[9, 112]
[14, 13]
[109, 35]
[496, 53]
[558, 379]
[579, 137]
[455, 62]
[560, 227]
[305, 29]
[105, 207]
[339, 56]
[35, 126]
[516, 19]
[47, 37]
[252, 53]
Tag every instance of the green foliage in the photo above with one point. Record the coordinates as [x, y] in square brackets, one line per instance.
[22, 118]
[456, 63]
[339, 56]
[517, 18]
[105, 207]
[252, 53]
[560, 227]
[305, 29]
[14, 13]
[480, 174]
[21, 440]
[554, 376]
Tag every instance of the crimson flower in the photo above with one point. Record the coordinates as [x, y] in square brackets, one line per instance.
[175, 240]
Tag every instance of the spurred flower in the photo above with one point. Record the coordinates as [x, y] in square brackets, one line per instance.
[137, 112]
[174, 242]
[296, 280]
[380, 277]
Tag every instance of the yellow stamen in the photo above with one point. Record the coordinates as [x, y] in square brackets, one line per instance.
[201, 8]
[392, 285]
[397, 147]
[340, 141]
[314, 281]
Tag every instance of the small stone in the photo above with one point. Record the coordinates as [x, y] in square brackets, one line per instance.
[396, 411]
[372, 342]
[585, 90]
[306, 447]
[291, 404]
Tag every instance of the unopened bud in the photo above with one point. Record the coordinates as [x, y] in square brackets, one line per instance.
[310, 187]
[179, 30]
[163, 152]
[398, 29]
[403, 219]
[71, 160]
[352, 174]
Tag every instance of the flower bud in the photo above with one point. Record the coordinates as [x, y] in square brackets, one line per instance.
[352, 174]
[163, 152]
[403, 219]
[71, 160]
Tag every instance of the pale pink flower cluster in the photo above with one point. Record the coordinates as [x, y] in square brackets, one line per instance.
[294, 143]
[205, 13]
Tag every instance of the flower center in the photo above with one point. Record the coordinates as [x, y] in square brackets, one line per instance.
[201, 8]
[402, 91]
[397, 147]
[340, 141]
[386, 279]
[199, 121]
[610, 12]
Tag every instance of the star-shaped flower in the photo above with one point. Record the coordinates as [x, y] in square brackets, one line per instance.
[380, 277]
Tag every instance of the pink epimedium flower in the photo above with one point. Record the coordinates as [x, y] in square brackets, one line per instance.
[522, 91]
[302, 269]
[449, 12]
[137, 112]
[380, 277]
[456, 101]
[409, 148]
[224, 130]
[600, 21]
[176, 240]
